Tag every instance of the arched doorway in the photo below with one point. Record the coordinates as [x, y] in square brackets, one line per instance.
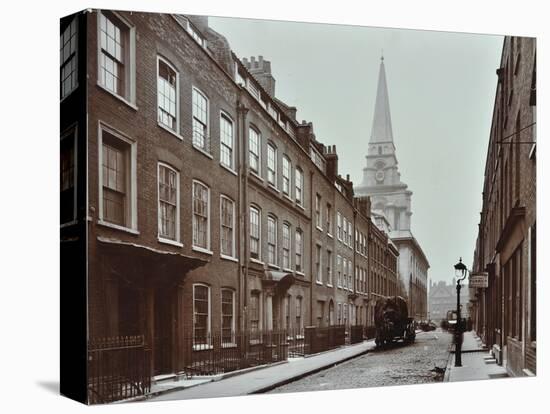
[331, 313]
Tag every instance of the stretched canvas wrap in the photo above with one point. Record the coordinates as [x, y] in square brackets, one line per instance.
[237, 206]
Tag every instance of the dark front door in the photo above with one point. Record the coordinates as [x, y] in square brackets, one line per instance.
[163, 332]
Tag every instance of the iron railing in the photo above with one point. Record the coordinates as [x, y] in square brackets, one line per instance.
[118, 368]
[217, 353]
[319, 339]
[356, 334]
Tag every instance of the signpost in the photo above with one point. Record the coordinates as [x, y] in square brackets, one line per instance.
[478, 280]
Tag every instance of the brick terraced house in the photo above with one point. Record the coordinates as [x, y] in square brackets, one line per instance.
[505, 313]
[210, 217]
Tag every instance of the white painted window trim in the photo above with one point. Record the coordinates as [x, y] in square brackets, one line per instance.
[67, 133]
[287, 225]
[231, 167]
[227, 344]
[253, 259]
[133, 177]
[177, 131]
[160, 238]
[131, 71]
[233, 253]
[207, 135]
[272, 146]
[259, 155]
[209, 324]
[209, 218]
[319, 268]
[275, 263]
[299, 172]
[289, 194]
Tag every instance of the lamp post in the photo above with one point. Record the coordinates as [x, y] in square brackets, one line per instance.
[460, 273]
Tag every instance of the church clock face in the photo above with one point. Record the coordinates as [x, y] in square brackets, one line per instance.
[379, 176]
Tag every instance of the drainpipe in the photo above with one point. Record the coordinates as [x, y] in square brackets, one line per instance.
[312, 285]
[243, 207]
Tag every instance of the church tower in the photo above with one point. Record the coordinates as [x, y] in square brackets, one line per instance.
[381, 178]
[391, 202]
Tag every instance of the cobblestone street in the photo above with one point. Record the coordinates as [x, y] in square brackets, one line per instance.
[397, 365]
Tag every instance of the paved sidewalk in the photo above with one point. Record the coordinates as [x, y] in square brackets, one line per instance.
[477, 362]
[265, 379]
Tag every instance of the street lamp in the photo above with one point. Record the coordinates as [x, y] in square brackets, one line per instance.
[460, 273]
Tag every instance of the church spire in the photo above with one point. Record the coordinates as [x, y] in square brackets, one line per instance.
[381, 124]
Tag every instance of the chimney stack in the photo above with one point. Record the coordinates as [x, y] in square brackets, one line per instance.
[261, 70]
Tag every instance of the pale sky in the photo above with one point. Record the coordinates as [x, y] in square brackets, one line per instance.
[441, 89]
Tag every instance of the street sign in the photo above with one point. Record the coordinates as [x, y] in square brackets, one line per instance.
[478, 280]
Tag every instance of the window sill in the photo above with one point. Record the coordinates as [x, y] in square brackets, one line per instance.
[117, 227]
[319, 228]
[170, 131]
[299, 205]
[120, 98]
[230, 258]
[286, 269]
[288, 198]
[273, 187]
[329, 285]
[169, 241]
[229, 169]
[300, 273]
[203, 152]
[258, 261]
[202, 250]
[318, 282]
[202, 347]
[330, 235]
[273, 266]
[254, 174]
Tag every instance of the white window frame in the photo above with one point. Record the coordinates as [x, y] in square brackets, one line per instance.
[319, 263]
[207, 345]
[272, 219]
[227, 118]
[299, 252]
[339, 270]
[272, 169]
[258, 154]
[72, 133]
[288, 227]
[287, 178]
[232, 342]
[339, 232]
[344, 273]
[177, 224]
[177, 120]
[208, 223]
[131, 222]
[329, 219]
[233, 254]
[259, 211]
[329, 268]
[130, 68]
[207, 147]
[350, 234]
[345, 230]
[318, 212]
[299, 179]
